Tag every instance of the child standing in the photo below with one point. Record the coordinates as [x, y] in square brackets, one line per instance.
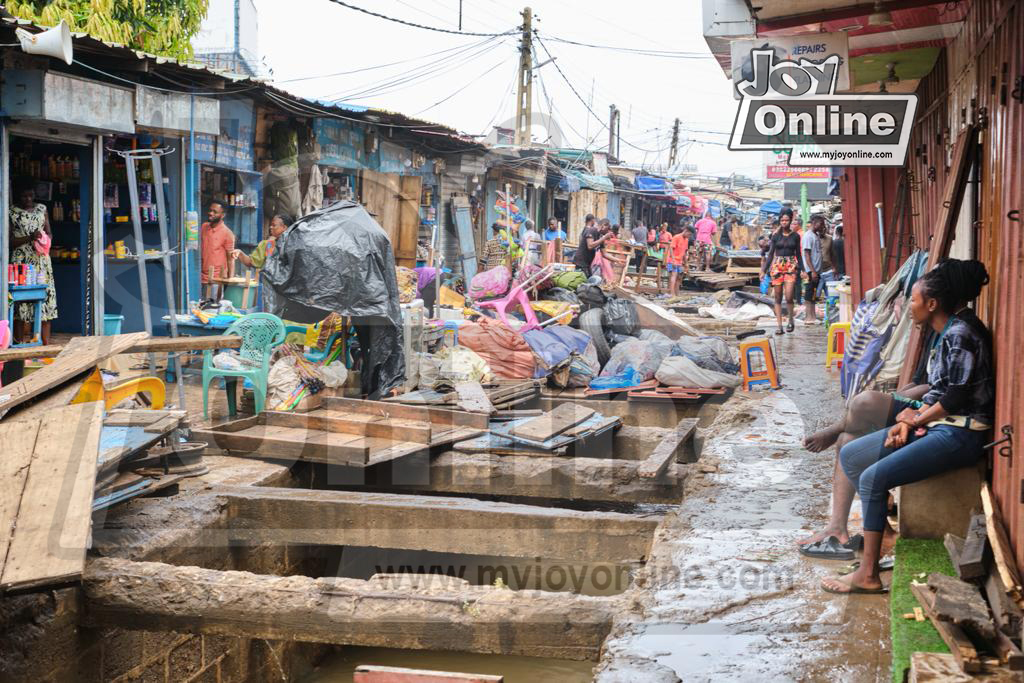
[676, 258]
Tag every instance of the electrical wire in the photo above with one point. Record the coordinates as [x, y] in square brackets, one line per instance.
[468, 83]
[159, 89]
[420, 74]
[673, 54]
[422, 26]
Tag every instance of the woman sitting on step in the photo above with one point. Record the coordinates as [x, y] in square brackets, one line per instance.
[949, 428]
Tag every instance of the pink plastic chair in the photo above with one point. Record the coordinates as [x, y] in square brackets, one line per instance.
[5, 340]
[518, 296]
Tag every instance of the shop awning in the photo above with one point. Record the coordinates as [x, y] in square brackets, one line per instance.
[574, 181]
[654, 186]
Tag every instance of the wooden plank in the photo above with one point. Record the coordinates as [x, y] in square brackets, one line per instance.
[55, 515]
[436, 416]
[552, 424]
[954, 546]
[689, 390]
[1000, 543]
[665, 452]
[957, 641]
[949, 215]
[649, 384]
[344, 423]
[79, 355]
[284, 443]
[588, 429]
[658, 396]
[19, 440]
[972, 555]
[410, 187]
[473, 399]
[1007, 614]
[961, 603]
[164, 426]
[151, 345]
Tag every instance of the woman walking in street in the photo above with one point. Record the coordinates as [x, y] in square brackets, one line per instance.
[949, 427]
[29, 223]
[783, 264]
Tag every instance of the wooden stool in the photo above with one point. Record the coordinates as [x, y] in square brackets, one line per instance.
[836, 345]
[768, 374]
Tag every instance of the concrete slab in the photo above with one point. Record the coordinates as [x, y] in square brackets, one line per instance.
[434, 523]
[941, 505]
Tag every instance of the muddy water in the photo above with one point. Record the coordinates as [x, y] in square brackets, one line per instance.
[339, 668]
[725, 595]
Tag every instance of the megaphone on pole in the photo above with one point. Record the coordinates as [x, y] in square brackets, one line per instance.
[53, 42]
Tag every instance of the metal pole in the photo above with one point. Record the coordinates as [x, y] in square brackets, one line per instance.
[804, 208]
[140, 247]
[172, 309]
[881, 232]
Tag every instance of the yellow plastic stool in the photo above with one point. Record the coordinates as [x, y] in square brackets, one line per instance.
[93, 390]
[768, 374]
[836, 346]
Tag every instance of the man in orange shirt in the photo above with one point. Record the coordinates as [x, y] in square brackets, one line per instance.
[217, 242]
[676, 260]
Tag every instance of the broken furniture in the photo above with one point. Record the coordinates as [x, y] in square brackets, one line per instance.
[261, 333]
[344, 431]
[94, 389]
[518, 295]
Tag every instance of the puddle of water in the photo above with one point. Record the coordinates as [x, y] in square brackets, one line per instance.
[697, 652]
[339, 668]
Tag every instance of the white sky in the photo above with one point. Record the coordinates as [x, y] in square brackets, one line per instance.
[303, 38]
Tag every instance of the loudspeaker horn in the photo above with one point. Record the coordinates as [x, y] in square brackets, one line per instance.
[53, 42]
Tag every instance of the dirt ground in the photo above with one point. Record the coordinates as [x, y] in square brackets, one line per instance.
[725, 595]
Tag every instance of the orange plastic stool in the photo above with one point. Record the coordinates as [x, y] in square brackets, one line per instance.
[758, 370]
[836, 345]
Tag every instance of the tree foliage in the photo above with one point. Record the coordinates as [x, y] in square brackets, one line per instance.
[163, 27]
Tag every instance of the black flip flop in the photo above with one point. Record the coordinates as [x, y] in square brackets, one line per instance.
[791, 326]
[884, 565]
[830, 549]
[779, 332]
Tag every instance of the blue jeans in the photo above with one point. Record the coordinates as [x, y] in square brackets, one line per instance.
[873, 469]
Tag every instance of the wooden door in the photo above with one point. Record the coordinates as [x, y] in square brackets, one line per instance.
[411, 187]
[380, 193]
[461, 213]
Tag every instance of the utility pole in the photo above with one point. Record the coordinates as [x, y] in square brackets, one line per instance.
[613, 131]
[675, 144]
[524, 103]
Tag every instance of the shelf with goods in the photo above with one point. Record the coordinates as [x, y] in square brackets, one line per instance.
[121, 282]
[239, 192]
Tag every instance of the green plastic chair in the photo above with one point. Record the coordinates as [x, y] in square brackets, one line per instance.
[261, 333]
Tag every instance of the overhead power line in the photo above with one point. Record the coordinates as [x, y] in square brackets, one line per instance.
[673, 54]
[422, 26]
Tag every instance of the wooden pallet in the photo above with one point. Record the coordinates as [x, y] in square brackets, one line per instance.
[344, 431]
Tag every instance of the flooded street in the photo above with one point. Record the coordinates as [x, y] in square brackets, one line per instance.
[726, 596]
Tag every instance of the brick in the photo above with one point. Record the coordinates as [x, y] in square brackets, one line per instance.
[186, 659]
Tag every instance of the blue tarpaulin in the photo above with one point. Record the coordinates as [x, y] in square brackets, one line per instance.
[574, 181]
[714, 208]
[773, 206]
[653, 185]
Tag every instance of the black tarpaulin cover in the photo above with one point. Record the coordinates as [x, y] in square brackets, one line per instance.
[338, 259]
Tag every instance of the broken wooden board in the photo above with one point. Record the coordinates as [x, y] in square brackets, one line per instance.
[960, 602]
[472, 398]
[1008, 616]
[1002, 555]
[559, 419]
[80, 354]
[972, 554]
[667, 449]
[140, 418]
[438, 417]
[663, 397]
[955, 638]
[594, 425]
[48, 501]
[391, 428]
[649, 384]
[150, 345]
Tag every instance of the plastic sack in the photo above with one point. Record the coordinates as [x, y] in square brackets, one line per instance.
[407, 283]
[584, 367]
[569, 280]
[429, 370]
[282, 381]
[489, 284]
[340, 260]
[766, 284]
[229, 360]
[680, 371]
[334, 374]
[590, 296]
[642, 356]
[627, 378]
[560, 294]
[42, 243]
[459, 364]
[620, 317]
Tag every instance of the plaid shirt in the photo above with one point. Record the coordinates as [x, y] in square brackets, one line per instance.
[495, 254]
[960, 370]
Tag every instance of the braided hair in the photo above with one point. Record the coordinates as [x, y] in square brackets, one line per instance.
[954, 282]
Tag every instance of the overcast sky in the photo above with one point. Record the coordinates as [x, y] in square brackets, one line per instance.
[468, 82]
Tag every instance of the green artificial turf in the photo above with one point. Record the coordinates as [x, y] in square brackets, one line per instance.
[913, 557]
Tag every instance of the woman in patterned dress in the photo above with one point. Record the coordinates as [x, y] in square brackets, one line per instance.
[28, 221]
